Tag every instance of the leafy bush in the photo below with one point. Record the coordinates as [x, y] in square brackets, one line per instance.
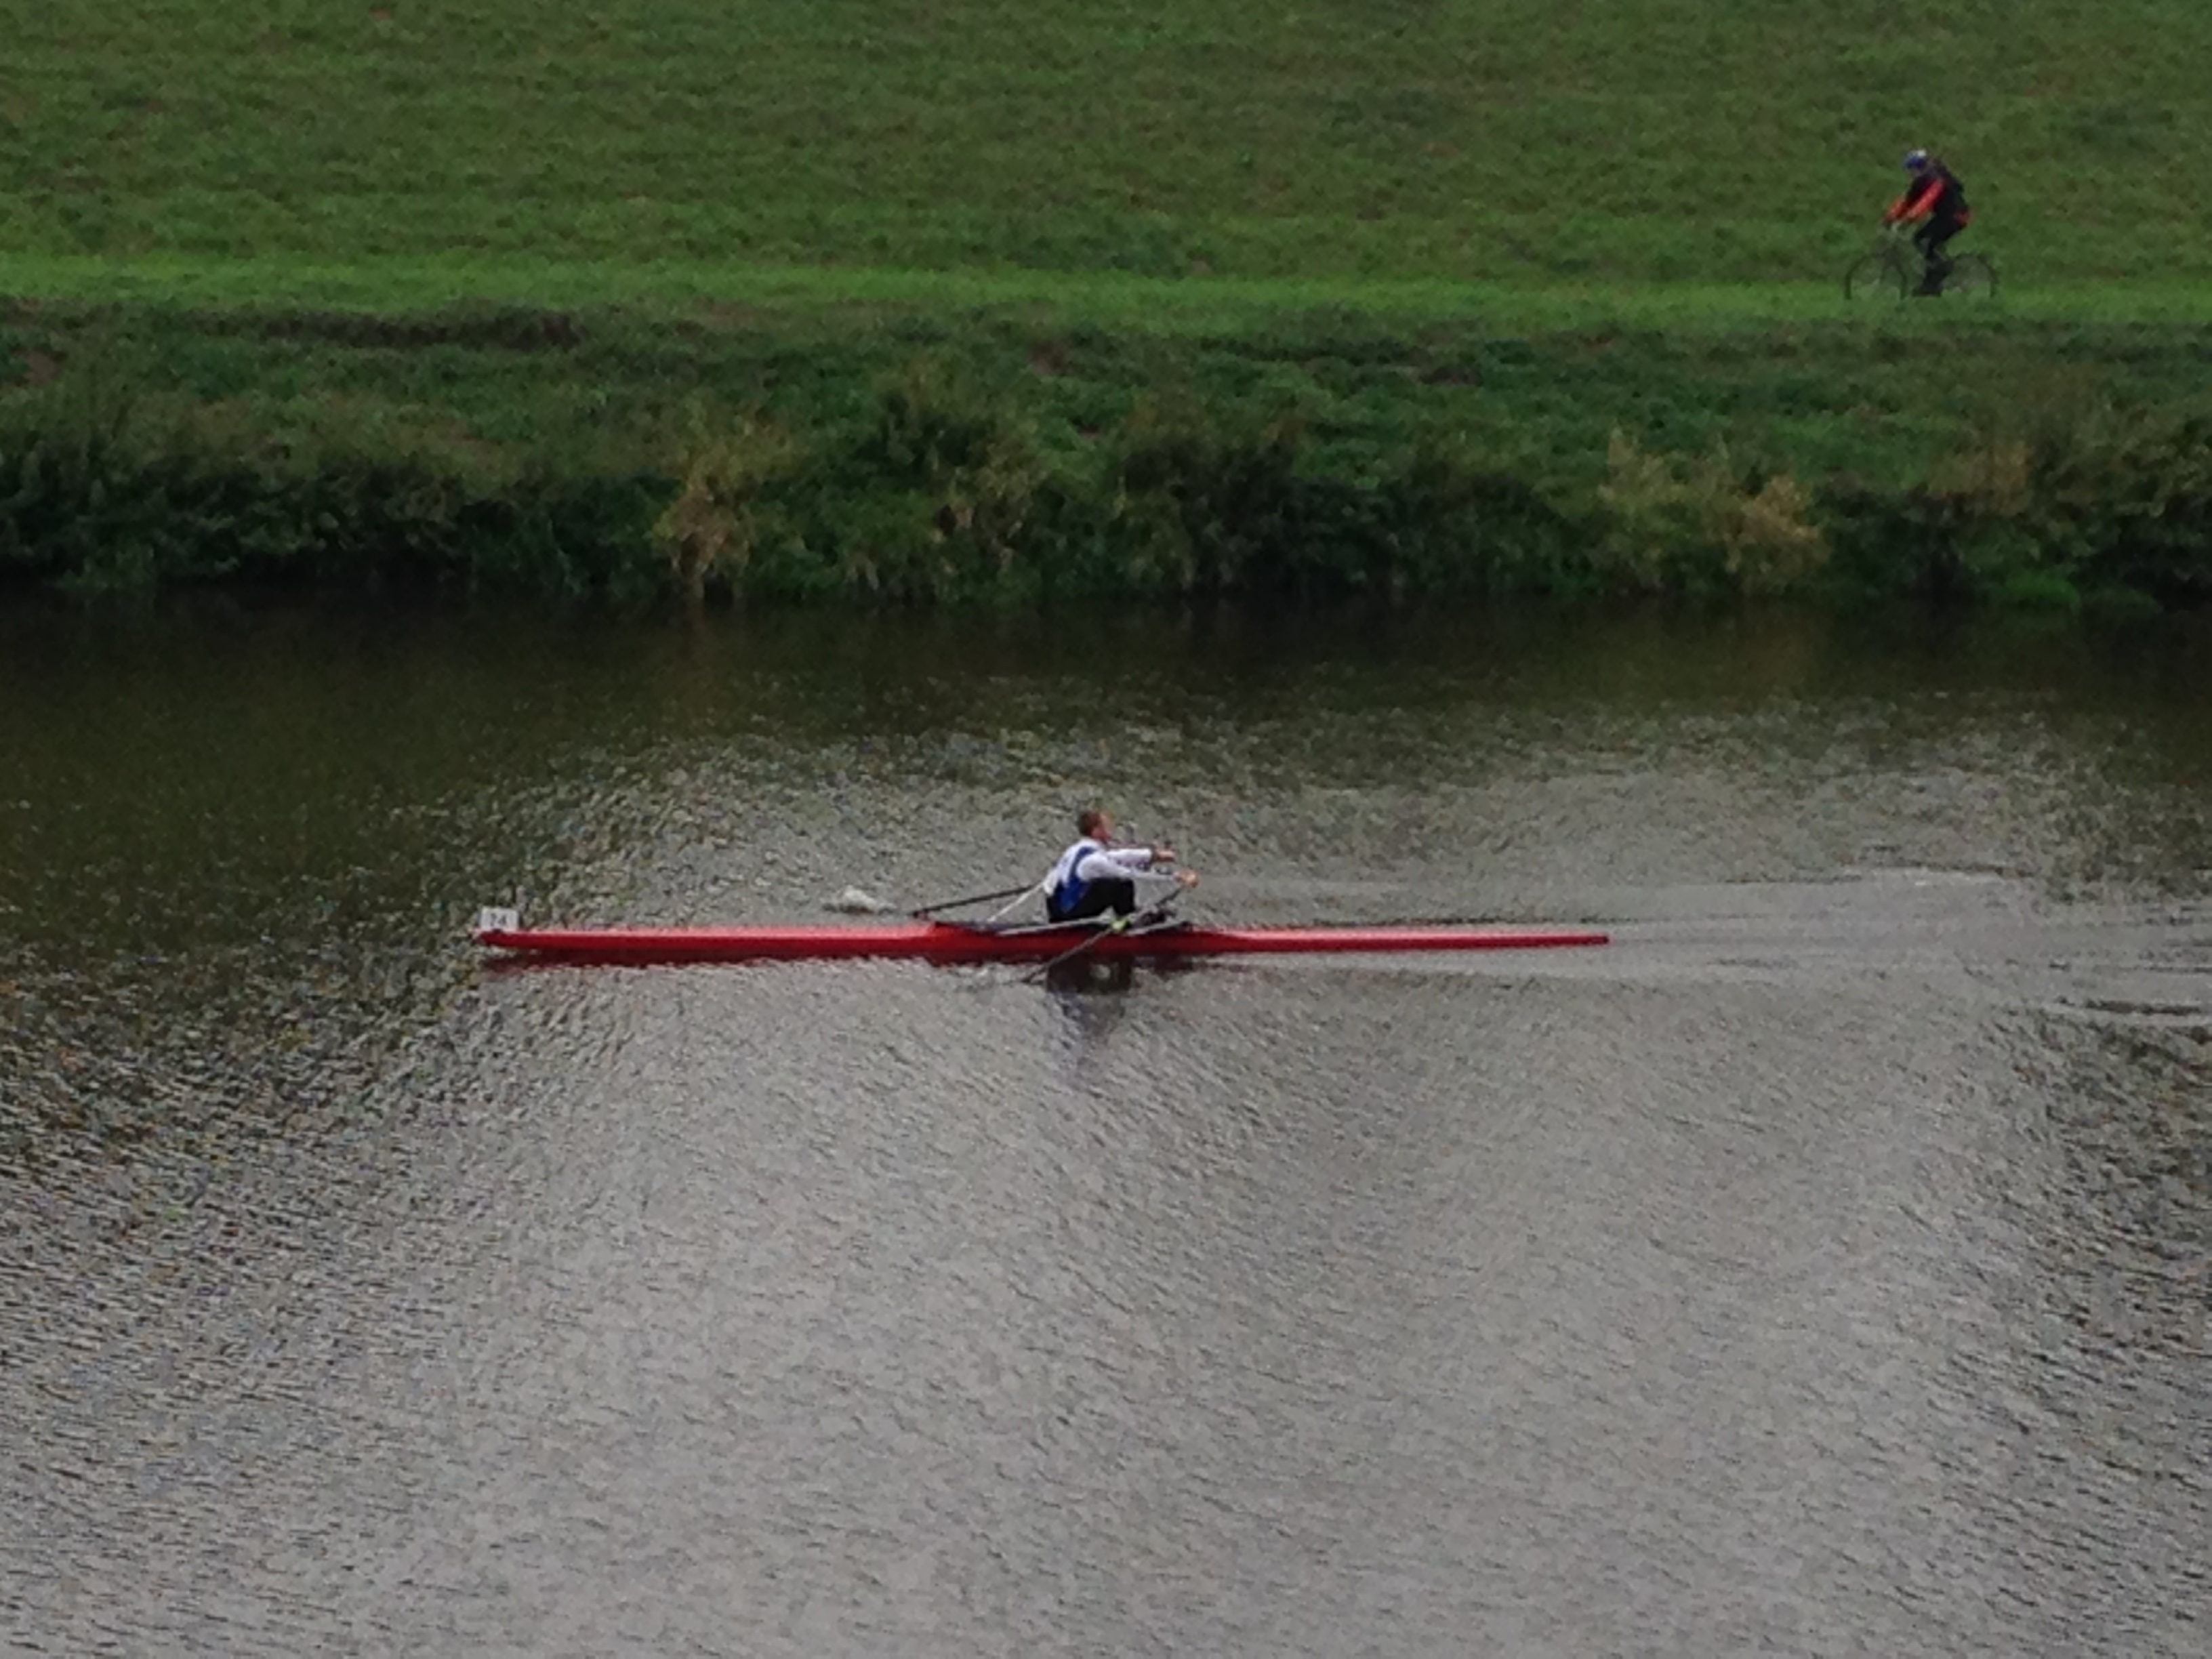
[710, 528]
[935, 495]
[107, 493]
[1704, 525]
[2126, 501]
[2097, 501]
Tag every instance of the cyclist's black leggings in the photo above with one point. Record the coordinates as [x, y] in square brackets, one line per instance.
[1929, 239]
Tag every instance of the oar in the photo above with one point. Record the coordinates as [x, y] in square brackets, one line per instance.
[1120, 925]
[975, 898]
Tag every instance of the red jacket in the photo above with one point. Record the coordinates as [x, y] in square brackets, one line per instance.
[1936, 193]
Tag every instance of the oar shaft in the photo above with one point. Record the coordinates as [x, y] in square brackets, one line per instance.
[974, 898]
[1119, 925]
[1015, 904]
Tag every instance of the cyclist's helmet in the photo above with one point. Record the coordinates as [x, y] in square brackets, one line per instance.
[1915, 160]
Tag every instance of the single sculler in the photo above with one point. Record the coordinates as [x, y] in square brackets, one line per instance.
[1091, 908]
[1096, 877]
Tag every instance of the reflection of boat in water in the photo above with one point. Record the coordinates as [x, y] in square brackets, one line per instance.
[958, 942]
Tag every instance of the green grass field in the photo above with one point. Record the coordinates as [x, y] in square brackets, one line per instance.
[1522, 141]
[573, 239]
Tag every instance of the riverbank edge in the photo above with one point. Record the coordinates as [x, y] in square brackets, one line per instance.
[910, 452]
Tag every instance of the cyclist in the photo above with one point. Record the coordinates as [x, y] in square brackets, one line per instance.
[1936, 201]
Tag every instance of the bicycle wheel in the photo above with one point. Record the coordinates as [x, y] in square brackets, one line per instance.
[1972, 277]
[1875, 278]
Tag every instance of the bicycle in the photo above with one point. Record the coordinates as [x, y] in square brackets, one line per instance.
[1893, 269]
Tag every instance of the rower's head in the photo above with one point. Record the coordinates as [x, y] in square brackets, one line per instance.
[1095, 824]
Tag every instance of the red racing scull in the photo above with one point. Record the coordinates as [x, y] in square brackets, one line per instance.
[952, 942]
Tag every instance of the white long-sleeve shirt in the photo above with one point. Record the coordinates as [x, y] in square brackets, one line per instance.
[1091, 860]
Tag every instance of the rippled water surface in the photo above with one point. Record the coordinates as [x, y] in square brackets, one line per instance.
[1821, 1268]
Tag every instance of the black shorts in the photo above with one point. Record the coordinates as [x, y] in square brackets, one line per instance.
[1099, 898]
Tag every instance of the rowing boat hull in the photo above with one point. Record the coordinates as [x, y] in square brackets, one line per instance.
[940, 942]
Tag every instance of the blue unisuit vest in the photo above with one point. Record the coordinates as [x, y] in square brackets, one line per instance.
[1069, 894]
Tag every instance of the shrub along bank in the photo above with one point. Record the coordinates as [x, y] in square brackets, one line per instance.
[843, 454]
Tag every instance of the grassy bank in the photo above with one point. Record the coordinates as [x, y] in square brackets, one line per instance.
[1006, 301]
[1528, 141]
[913, 450]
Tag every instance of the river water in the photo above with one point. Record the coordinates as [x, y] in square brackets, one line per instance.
[1823, 1267]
